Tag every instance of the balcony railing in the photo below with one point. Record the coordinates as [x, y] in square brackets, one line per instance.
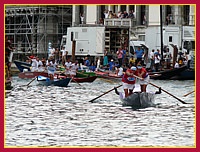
[127, 22]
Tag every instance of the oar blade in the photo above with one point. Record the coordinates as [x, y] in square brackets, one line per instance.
[104, 93]
[164, 91]
[188, 93]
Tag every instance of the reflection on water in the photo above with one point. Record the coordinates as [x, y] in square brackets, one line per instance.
[55, 116]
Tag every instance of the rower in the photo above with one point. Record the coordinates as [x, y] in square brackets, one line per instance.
[51, 68]
[143, 74]
[74, 68]
[118, 93]
[128, 81]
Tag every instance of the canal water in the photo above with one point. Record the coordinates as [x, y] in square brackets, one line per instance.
[57, 116]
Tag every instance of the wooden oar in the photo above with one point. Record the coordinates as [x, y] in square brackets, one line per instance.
[106, 80]
[76, 81]
[105, 93]
[31, 81]
[189, 93]
[71, 77]
[83, 73]
[163, 90]
[34, 78]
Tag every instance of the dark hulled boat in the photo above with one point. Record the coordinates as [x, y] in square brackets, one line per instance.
[56, 82]
[167, 74]
[139, 100]
[22, 65]
[188, 74]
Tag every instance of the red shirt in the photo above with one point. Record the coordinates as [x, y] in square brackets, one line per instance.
[31, 57]
[128, 79]
[143, 70]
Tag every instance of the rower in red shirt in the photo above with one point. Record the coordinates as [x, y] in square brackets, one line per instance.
[128, 81]
[143, 74]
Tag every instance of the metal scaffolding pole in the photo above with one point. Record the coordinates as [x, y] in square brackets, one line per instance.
[29, 27]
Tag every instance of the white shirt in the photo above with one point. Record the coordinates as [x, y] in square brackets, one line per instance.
[120, 73]
[98, 63]
[63, 52]
[40, 63]
[157, 59]
[40, 66]
[74, 67]
[52, 51]
[34, 63]
[106, 14]
[168, 55]
[47, 62]
[176, 65]
[151, 55]
[119, 15]
[82, 18]
[68, 65]
[51, 67]
[51, 64]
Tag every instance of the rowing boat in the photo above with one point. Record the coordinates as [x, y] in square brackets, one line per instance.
[84, 79]
[22, 65]
[82, 74]
[79, 79]
[167, 74]
[29, 74]
[56, 82]
[138, 99]
[107, 75]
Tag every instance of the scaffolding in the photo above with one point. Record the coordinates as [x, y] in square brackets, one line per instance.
[31, 27]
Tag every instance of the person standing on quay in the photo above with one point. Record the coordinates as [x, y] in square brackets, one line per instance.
[139, 53]
[105, 59]
[86, 62]
[152, 59]
[168, 58]
[157, 61]
[119, 56]
[64, 52]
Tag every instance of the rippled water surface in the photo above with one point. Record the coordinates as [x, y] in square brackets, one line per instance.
[57, 116]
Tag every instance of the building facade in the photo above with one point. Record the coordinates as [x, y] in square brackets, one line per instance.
[31, 28]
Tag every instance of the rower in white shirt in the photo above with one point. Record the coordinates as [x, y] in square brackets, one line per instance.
[34, 64]
[74, 68]
[68, 66]
[51, 68]
[40, 65]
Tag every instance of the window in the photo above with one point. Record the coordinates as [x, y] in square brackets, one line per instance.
[132, 51]
[141, 37]
[170, 38]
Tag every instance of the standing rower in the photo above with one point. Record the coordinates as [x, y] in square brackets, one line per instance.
[51, 69]
[143, 74]
[128, 81]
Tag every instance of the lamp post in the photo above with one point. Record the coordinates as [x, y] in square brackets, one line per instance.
[161, 32]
